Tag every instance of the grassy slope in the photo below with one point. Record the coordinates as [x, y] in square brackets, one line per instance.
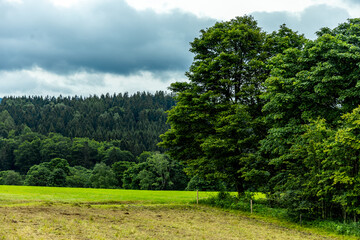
[55, 213]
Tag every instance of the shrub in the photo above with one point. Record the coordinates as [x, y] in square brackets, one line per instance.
[10, 177]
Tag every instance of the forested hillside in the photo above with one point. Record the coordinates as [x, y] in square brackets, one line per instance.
[101, 142]
[135, 120]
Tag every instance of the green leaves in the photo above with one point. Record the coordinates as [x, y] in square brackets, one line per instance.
[215, 121]
[315, 82]
[158, 172]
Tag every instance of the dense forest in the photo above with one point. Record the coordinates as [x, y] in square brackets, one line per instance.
[136, 120]
[274, 112]
[104, 142]
[97, 141]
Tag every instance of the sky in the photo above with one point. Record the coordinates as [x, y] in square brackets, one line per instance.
[87, 47]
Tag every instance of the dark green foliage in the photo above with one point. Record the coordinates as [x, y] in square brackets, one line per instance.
[51, 173]
[27, 153]
[47, 160]
[79, 177]
[55, 146]
[349, 229]
[57, 178]
[6, 124]
[85, 131]
[102, 176]
[143, 157]
[330, 185]
[273, 112]
[201, 184]
[136, 120]
[59, 163]
[214, 126]
[38, 175]
[58, 173]
[228, 201]
[20, 152]
[115, 154]
[119, 168]
[84, 152]
[158, 172]
[217, 123]
[130, 176]
[310, 143]
[7, 158]
[10, 177]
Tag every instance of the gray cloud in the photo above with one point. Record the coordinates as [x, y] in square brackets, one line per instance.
[37, 81]
[24, 82]
[107, 46]
[103, 36]
[307, 22]
[354, 1]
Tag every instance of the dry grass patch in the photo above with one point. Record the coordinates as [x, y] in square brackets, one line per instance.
[64, 221]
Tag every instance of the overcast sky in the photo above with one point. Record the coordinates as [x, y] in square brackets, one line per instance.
[83, 47]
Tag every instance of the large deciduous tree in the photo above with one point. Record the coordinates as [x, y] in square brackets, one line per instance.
[216, 124]
[319, 81]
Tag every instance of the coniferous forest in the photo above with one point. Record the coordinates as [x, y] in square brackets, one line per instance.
[262, 112]
[137, 120]
[87, 142]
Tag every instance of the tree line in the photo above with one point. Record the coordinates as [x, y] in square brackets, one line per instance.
[54, 142]
[151, 171]
[274, 112]
[30, 158]
[137, 120]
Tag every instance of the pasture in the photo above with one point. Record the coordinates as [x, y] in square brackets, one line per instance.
[31, 195]
[70, 213]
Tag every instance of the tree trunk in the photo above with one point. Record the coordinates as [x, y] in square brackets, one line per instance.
[240, 188]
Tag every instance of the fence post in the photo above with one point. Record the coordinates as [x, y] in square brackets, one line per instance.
[251, 206]
[197, 196]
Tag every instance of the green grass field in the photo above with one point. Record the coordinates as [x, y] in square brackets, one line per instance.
[75, 213]
[18, 194]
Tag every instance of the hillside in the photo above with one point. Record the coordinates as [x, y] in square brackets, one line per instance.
[136, 120]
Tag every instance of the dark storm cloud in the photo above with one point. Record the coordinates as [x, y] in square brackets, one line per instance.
[103, 36]
[307, 22]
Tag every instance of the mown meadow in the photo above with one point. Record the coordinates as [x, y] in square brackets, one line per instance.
[76, 213]
[18, 194]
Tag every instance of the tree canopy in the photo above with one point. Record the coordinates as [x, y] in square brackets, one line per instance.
[136, 120]
[217, 122]
[276, 112]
